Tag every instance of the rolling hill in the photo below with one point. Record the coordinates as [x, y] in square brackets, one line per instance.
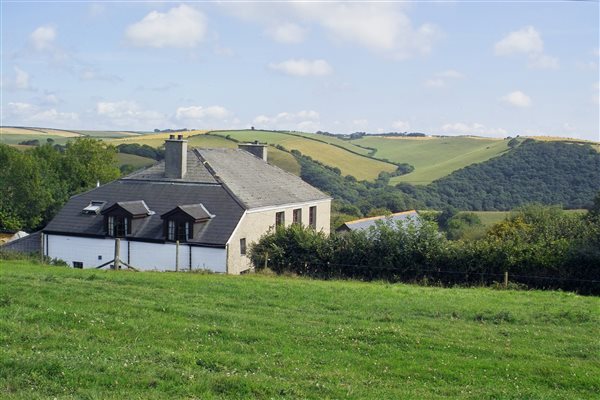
[432, 157]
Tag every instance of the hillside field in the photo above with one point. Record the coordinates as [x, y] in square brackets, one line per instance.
[362, 168]
[134, 160]
[433, 157]
[69, 333]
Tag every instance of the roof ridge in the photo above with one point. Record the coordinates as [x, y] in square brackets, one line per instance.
[381, 216]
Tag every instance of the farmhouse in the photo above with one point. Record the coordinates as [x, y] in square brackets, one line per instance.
[198, 209]
[404, 217]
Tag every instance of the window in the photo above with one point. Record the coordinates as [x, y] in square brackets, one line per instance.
[77, 264]
[312, 217]
[178, 231]
[297, 216]
[118, 226]
[243, 246]
[279, 219]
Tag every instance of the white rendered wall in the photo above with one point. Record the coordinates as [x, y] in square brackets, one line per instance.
[141, 255]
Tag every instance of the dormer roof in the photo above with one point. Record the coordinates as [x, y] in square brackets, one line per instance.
[135, 208]
[197, 212]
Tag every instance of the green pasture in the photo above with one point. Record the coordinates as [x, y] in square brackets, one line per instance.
[489, 218]
[433, 157]
[134, 160]
[334, 141]
[73, 334]
[16, 138]
[362, 168]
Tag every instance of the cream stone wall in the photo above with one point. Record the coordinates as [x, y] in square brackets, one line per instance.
[255, 223]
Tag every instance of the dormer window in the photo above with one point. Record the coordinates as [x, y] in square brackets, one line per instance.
[121, 219]
[183, 223]
[178, 231]
[118, 226]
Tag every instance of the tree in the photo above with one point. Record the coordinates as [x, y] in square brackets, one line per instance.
[88, 161]
[22, 190]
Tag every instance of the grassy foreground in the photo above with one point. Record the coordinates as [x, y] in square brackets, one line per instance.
[68, 333]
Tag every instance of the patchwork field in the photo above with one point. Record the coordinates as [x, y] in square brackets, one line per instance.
[362, 168]
[489, 218]
[433, 157]
[69, 333]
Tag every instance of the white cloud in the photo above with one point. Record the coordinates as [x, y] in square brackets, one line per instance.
[130, 115]
[21, 79]
[199, 113]
[401, 126]
[380, 27]
[205, 117]
[526, 41]
[303, 67]
[441, 79]
[181, 26]
[475, 128]
[287, 33]
[43, 38]
[435, 83]
[305, 120]
[29, 114]
[517, 99]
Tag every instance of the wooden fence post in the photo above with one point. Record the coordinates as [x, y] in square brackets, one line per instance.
[42, 247]
[117, 253]
[177, 256]
[505, 279]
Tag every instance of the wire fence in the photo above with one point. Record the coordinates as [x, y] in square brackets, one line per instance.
[434, 276]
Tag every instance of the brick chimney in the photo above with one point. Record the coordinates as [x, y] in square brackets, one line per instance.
[175, 157]
[256, 148]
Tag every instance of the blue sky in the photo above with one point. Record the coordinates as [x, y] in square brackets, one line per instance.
[484, 68]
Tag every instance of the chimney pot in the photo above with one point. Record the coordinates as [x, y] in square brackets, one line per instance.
[179, 137]
[171, 137]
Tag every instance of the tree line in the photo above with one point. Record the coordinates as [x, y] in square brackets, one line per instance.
[539, 247]
[36, 183]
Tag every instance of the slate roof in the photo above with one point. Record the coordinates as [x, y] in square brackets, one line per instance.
[255, 183]
[160, 197]
[366, 223]
[196, 211]
[135, 208]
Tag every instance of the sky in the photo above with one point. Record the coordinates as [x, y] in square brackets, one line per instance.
[487, 68]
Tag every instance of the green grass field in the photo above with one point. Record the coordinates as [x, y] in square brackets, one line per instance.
[68, 333]
[489, 218]
[16, 138]
[134, 160]
[362, 168]
[433, 157]
[334, 141]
